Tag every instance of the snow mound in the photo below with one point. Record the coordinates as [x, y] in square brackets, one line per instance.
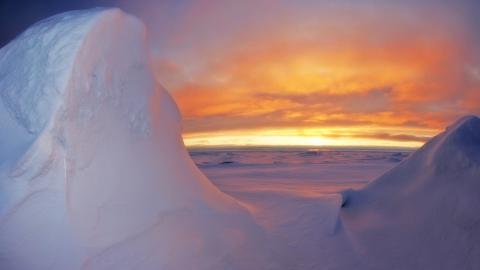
[423, 214]
[93, 170]
[459, 148]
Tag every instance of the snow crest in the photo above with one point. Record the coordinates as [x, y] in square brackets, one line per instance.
[93, 170]
[37, 65]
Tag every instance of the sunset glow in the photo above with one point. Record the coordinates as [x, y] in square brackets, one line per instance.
[377, 137]
[359, 73]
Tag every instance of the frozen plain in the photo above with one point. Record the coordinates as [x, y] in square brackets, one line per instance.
[295, 194]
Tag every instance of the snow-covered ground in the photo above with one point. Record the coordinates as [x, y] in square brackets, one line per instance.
[295, 195]
[294, 171]
[93, 170]
[94, 175]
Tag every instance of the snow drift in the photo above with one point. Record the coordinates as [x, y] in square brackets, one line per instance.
[424, 213]
[93, 171]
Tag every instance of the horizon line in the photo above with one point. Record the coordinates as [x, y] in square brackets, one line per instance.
[300, 147]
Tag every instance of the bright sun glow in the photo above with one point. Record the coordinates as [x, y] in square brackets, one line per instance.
[309, 137]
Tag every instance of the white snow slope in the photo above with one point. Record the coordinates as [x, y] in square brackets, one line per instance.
[93, 171]
[424, 213]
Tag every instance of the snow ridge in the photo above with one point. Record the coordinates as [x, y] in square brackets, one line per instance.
[93, 170]
[38, 64]
[458, 149]
[429, 202]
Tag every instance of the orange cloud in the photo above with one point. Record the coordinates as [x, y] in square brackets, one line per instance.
[346, 69]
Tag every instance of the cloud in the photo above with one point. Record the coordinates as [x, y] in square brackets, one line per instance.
[391, 65]
[394, 137]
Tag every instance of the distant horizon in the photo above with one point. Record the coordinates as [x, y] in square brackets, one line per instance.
[295, 148]
[309, 138]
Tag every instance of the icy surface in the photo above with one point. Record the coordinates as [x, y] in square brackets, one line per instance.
[294, 195]
[36, 67]
[93, 171]
[308, 171]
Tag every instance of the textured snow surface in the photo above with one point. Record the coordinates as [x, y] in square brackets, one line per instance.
[294, 195]
[94, 175]
[36, 67]
[424, 213]
[93, 171]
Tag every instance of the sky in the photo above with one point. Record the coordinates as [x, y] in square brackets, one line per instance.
[312, 73]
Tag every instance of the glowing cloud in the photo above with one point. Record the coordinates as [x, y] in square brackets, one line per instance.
[355, 72]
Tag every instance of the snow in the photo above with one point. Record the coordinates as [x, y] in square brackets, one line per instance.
[94, 175]
[302, 171]
[423, 214]
[323, 211]
[295, 196]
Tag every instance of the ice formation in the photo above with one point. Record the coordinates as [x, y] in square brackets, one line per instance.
[93, 171]
[424, 213]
